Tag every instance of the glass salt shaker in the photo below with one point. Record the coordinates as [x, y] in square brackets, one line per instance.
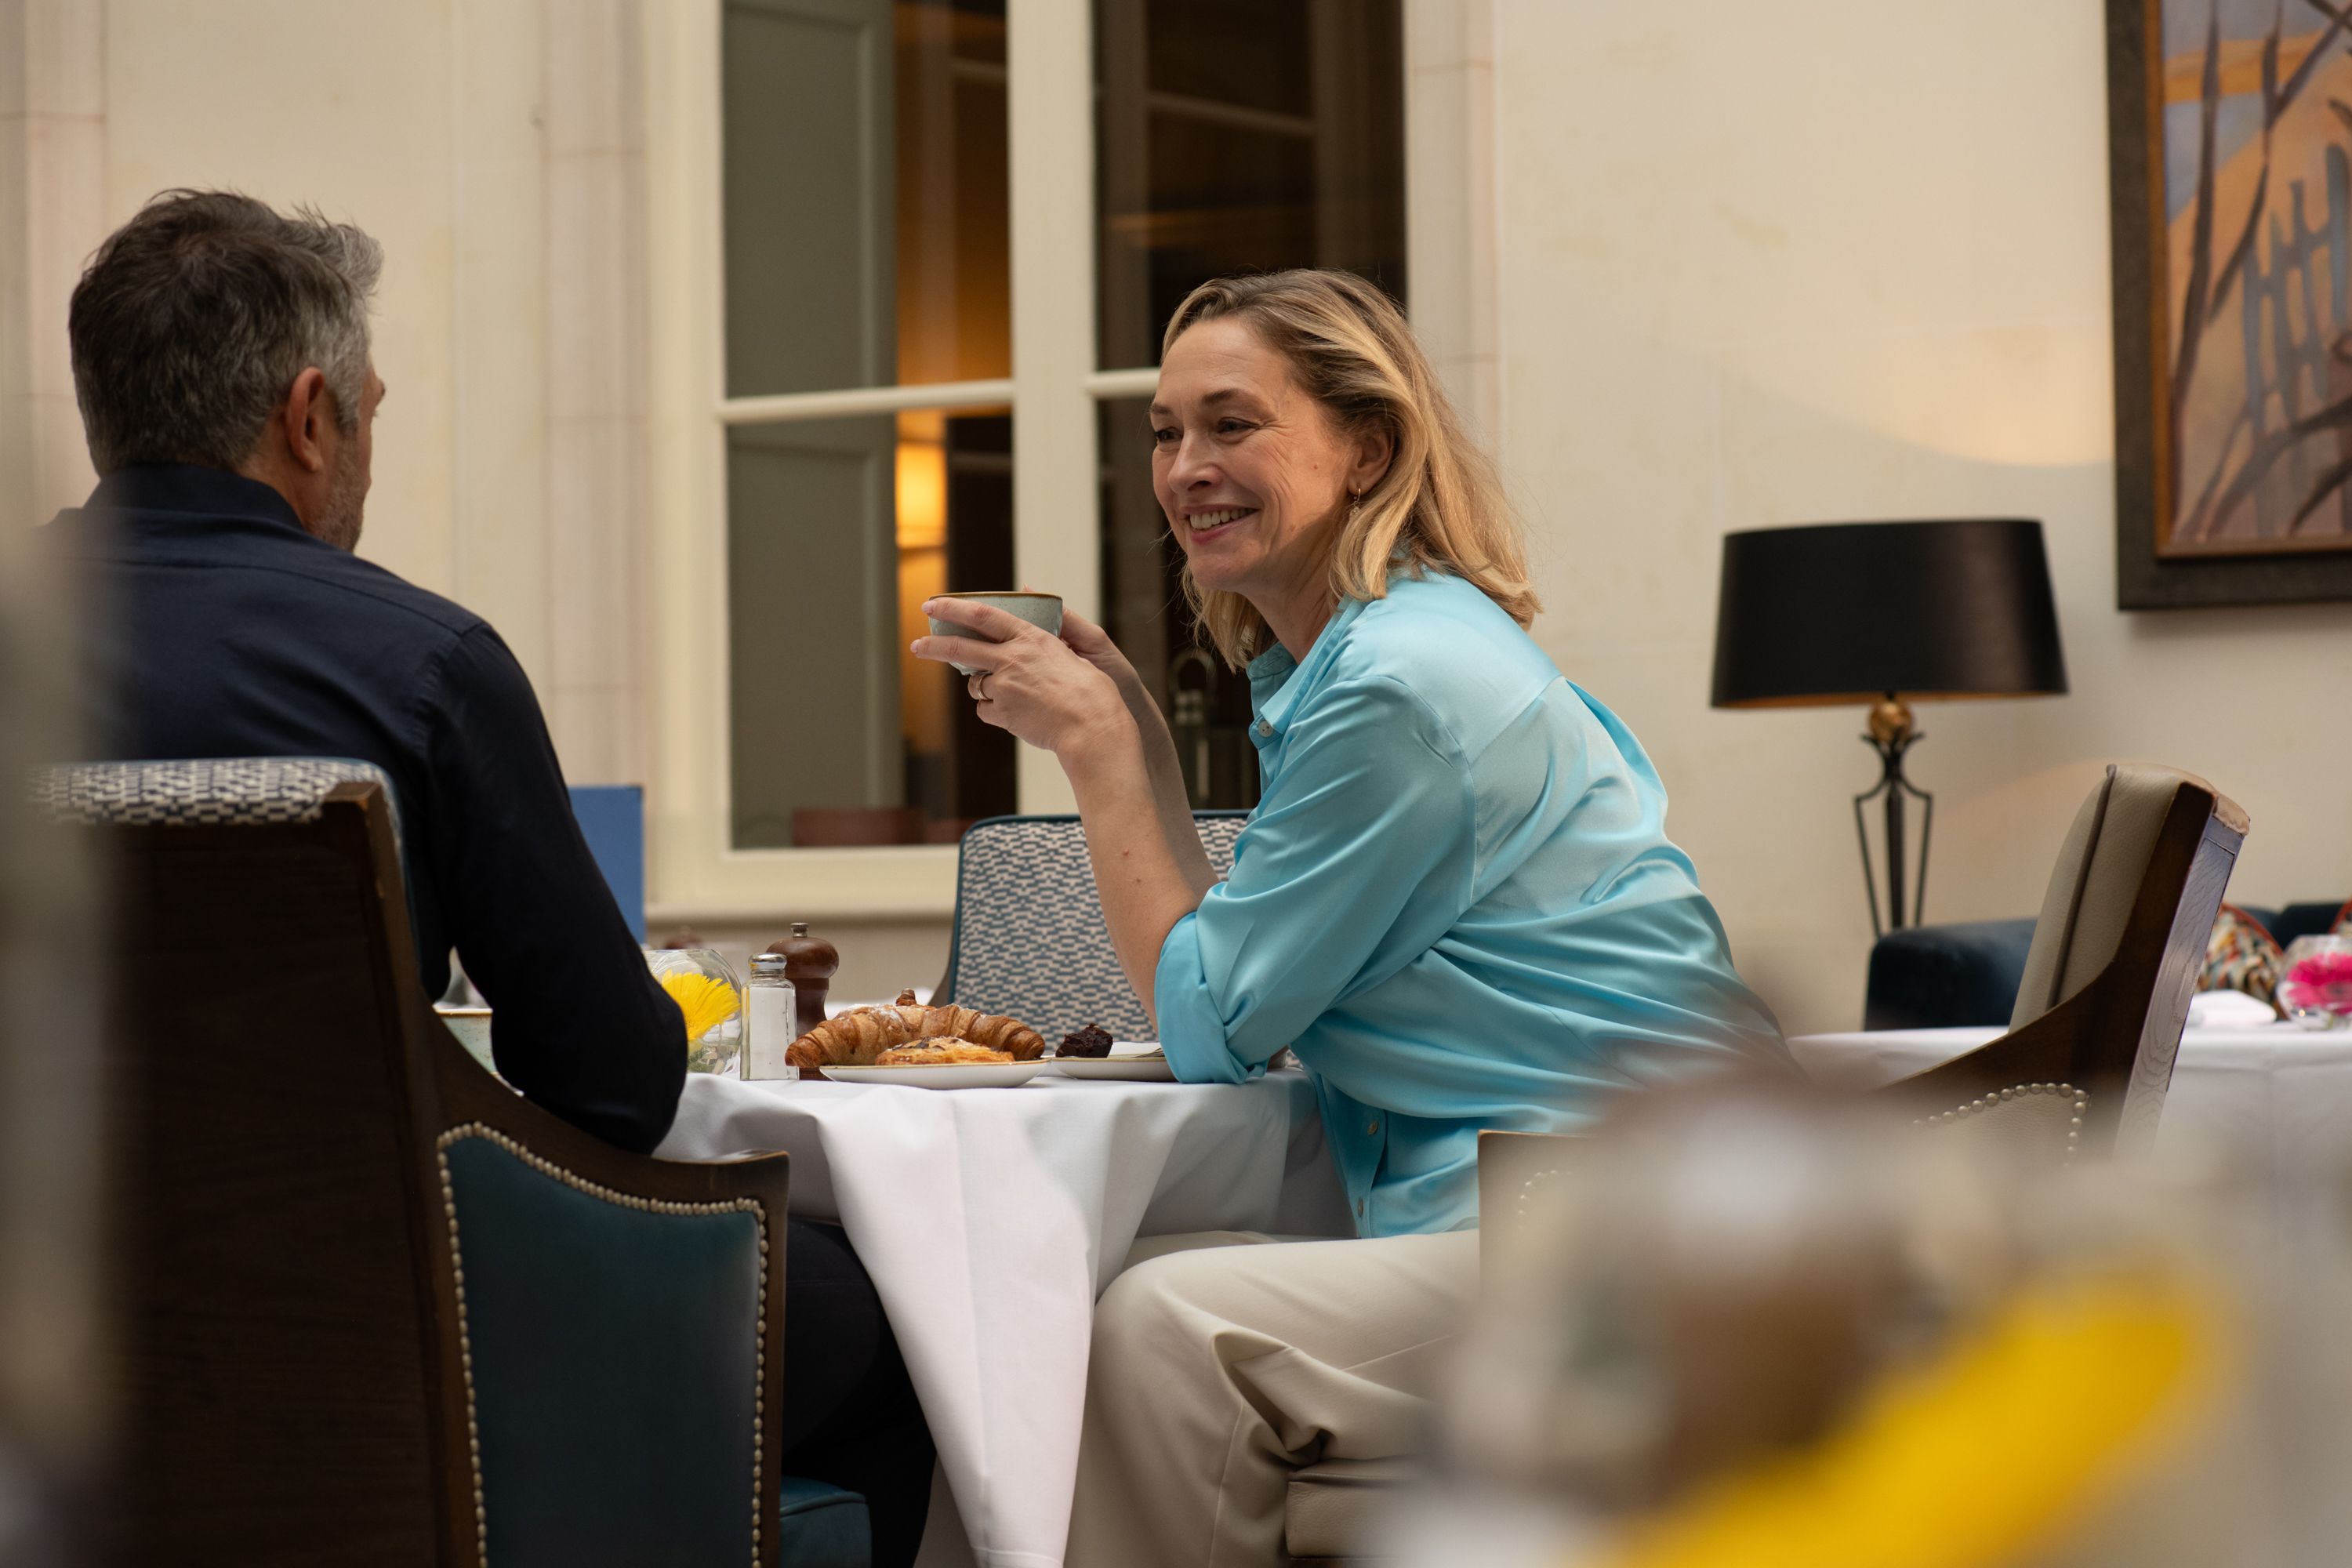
[768, 1023]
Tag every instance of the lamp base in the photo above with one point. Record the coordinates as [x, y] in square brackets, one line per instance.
[1892, 735]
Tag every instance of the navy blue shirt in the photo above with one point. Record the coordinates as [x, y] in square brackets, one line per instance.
[219, 628]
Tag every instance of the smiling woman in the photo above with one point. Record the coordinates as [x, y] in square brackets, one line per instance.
[1257, 483]
[1309, 383]
[1455, 901]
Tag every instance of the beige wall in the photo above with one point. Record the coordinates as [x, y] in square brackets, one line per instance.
[1832, 259]
[492, 146]
[52, 154]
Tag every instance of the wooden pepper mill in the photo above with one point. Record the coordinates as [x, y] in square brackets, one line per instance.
[809, 963]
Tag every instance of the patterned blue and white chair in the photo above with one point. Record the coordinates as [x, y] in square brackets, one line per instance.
[1029, 939]
[375, 1308]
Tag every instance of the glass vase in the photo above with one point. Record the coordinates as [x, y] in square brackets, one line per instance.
[2316, 982]
[708, 994]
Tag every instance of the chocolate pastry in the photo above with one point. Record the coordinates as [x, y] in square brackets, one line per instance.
[1094, 1041]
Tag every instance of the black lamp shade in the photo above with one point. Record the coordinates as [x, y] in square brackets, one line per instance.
[1849, 612]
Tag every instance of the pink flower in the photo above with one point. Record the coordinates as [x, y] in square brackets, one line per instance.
[2321, 983]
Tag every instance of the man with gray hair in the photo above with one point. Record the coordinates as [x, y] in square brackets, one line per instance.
[221, 360]
[220, 353]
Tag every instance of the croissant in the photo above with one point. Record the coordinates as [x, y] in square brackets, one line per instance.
[862, 1034]
[944, 1050]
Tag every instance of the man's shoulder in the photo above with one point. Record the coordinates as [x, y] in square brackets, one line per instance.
[269, 556]
[338, 572]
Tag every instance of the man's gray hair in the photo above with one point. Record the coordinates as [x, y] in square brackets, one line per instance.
[193, 319]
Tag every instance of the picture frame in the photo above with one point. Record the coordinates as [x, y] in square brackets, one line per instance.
[2233, 460]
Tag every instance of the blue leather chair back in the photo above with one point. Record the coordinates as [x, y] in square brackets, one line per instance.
[1967, 972]
[1029, 940]
[612, 817]
[1943, 976]
[613, 1352]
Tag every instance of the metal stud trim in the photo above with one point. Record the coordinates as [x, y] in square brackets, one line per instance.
[1986, 1102]
[545, 1167]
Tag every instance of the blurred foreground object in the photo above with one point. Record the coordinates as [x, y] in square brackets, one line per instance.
[1739, 1331]
[52, 1340]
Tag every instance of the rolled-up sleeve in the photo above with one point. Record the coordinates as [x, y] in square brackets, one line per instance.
[1360, 856]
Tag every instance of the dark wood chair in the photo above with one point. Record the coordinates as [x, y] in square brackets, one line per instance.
[2117, 951]
[375, 1307]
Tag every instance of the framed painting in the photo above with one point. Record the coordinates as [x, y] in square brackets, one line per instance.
[2230, 157]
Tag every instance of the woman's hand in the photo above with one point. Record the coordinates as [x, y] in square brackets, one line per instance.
[1050, 692]
[1093, 644]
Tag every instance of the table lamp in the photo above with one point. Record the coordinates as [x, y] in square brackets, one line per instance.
[1886, 614]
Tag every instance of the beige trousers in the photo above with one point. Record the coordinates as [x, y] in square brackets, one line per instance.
[1217, 1369]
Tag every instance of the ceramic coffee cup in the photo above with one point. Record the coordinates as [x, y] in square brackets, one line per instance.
[1042, 611]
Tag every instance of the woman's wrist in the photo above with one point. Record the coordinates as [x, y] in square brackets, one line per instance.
[1132, 692]
[1100, 747]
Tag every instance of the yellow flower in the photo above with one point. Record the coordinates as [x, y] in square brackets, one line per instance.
[707, 1003]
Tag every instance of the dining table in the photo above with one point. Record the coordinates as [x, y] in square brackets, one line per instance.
[990, 1219]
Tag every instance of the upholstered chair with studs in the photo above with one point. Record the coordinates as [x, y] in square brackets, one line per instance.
[1029, 939]
[376, 1308]
[2116, 949]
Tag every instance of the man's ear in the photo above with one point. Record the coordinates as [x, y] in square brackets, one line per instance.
[306, 418]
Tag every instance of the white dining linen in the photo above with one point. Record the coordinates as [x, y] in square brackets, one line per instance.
[2275, 1089]
[990, 1218]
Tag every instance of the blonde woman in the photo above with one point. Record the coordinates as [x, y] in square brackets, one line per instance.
[1455, 901]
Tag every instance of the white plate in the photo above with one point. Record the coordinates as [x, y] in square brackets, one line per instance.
[1127, 1063]
[946, 1074]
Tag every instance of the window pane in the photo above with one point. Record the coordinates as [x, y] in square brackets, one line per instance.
[865, 194]
[1143, 609]
[1213, 158]
[837, 530]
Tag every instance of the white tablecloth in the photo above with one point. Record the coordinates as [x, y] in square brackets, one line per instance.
[2274, 1089]
[990, 1218]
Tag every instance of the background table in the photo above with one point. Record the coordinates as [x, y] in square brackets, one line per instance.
[2276, 1089]
[990, 1219]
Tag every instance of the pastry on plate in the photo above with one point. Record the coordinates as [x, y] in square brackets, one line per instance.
[937, 1052]
[858, 1038]
[1094, 1041]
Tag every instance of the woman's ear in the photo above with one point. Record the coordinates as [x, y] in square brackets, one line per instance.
[1375, 450]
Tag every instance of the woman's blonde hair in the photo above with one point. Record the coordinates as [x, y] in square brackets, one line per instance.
[1439, 504]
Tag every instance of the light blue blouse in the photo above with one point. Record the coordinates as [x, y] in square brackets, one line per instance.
[1456, 901]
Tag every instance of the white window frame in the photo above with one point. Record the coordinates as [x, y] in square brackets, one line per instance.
[695, 871]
